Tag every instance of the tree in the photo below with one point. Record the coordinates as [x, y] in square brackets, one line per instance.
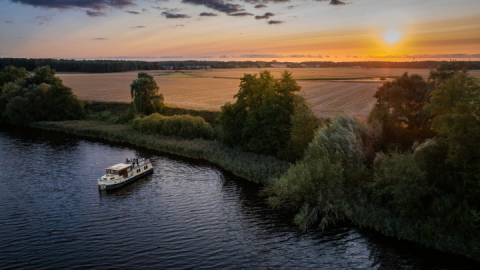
[11, 74]
[260, 118]
[456, 108]
[303, 130]
[444, 71]
[144, 92]
[399, 109]
[40, 97]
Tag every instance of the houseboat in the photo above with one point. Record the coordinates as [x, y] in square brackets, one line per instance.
[123, 173]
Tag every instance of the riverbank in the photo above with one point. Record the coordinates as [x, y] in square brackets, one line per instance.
[253, 167]
[433, 230]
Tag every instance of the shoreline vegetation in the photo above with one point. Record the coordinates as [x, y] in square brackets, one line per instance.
[409, 171]
[254, 167]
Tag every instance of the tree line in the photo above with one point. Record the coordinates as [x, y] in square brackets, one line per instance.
[107, 66]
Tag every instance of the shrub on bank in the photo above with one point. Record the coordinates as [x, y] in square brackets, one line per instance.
[184, 126]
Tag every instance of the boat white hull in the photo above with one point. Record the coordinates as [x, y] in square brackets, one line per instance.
[103, 185]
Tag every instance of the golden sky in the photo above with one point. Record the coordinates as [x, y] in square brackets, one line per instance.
[238, 30]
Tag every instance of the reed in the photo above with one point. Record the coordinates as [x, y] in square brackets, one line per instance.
[253, 167]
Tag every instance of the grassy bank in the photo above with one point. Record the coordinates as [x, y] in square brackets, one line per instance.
[254, 167]
[117, 108]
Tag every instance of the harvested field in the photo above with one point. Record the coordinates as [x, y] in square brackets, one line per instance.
[199, 89]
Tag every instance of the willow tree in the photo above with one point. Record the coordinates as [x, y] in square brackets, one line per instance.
[144, 92]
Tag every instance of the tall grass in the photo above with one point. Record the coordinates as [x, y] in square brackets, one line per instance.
[253, 167]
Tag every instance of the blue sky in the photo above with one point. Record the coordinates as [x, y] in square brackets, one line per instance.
[239, 29]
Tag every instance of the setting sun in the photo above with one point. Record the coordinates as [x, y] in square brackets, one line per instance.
[392, 35]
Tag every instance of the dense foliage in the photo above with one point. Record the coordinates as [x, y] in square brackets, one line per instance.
[184, 126]
[261, 118]
[11, 74]
[144, 92]
[430, 195]
[38, 97]
[90, 66]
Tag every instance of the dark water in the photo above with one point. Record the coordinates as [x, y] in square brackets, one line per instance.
[187, 215]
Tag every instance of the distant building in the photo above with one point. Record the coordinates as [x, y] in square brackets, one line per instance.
[303, 65]
[357, 67]
[279, 65]
[317, 66]
[168, 67]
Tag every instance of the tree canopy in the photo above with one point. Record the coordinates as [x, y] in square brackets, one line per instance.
[38, 97]
[144, 92]
[11, 74]
[260, 119]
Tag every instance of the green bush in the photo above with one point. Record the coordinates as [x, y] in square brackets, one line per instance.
[399, 183]
[184, 126]
[316, 183]
[39, 97]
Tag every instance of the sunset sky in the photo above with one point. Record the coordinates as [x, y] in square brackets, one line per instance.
[238, 30]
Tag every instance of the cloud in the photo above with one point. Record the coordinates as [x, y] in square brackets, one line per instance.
[430, 56]
[178, 25]
[158, 1]
[327, 56]
[218, 5]
[224, 56]
[240, 14]
[292, 7]
[140, 26]
[92, 13]
[337, 3]
[100, 38]
[304, 56]
[144, 10]
[209, 14]
[43, 19]
[169, 15]
[275, 22]
[68, 4]
[260, 56]
[356, 56]
[133, 12]
[334, 2]
[267, 1]
[160, 8]
[261, 6]
[9, 22]
[266, 16]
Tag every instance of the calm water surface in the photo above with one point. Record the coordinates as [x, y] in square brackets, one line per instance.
[187, 215]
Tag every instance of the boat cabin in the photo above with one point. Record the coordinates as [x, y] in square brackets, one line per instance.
[118, 170]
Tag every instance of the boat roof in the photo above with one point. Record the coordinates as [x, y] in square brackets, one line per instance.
[119, 166]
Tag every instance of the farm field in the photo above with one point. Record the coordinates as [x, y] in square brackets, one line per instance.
[203, 89]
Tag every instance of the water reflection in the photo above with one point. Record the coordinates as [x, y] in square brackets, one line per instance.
[187, 214]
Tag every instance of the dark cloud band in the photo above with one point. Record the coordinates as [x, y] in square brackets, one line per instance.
[218, 5]
[209, 14]
[169, 15]
[266, 16]
[66, 4]
[275, 22]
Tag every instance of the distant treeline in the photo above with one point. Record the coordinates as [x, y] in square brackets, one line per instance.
[107, 66]
[469, 65]
[91, 66]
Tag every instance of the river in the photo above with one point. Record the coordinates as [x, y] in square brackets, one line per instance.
[188, 214]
